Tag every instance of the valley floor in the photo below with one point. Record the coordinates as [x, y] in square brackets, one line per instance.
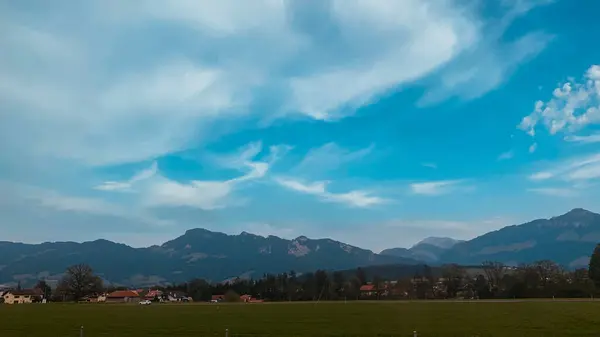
[430, 319]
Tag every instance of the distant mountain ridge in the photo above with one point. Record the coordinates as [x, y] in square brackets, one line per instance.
[428, 250]
[568, 239]
[198, 253]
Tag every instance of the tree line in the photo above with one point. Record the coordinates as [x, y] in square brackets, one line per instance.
[489, 280]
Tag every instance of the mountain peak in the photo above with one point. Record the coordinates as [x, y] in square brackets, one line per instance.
[579, 211]
[441, 242]
[577, 214]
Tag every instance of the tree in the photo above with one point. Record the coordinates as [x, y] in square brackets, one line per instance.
[453, 279]
[361, 276]
[45, 288]
[594, 267]
[198, 290]
[494, 272]
[482, 287]
[231, 296]
[79, 281]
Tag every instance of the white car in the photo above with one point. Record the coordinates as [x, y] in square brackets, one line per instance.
[146, 302]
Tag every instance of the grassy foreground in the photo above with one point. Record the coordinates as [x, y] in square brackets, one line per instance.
[430, 319]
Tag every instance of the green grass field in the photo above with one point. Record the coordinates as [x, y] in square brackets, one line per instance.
[430, 319]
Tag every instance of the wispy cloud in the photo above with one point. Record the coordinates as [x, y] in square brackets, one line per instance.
[355, 198]
[126, 185]
[430, 165]
[573, 106]
[51, 199]
[329, 157]
[589, 139]
[506, 155]
[555, 191]
[533, 147]
[576, 170]
[157, 190]
[103, 110]
[489, 61]
[436, 187]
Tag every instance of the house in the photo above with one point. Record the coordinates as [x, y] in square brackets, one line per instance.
[123, 296]
[217, 298]
[22, 296]
[177, 296]
[152, 294]
[368, 290]
[245, 298]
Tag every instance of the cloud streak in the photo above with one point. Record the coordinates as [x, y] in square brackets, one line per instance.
[354, 198]
[555, 191]
[435, 188]
[575, 170]
[158, 190]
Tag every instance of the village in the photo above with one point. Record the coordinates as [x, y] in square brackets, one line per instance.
[368, 291]
[142, 296]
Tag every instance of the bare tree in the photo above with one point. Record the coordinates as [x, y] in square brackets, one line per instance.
[549, 272]
[79, 281]
[494, 272]
[454, 277]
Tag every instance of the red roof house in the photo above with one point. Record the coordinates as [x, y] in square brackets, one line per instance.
[367, 287]
[123, 296]
[217, 298]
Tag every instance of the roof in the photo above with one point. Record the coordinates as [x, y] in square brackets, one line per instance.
[217, 297]
[123, 293]
[367, 287]
[154, 293]
[25, 292]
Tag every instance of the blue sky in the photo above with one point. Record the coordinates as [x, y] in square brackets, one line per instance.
[377, 123]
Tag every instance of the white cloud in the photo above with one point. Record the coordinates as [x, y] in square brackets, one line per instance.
[573, 106]
[575, 170]
[157, 190]
[329, 157]
[430, 165]
[490, 61]
[356, 198]
[589, 139]
[506, 155]
[541, 175]
[126, 185]
[533, 148]
[554, 191]
[51, 199]
[413, 38]
[89, 99]
[435, 187]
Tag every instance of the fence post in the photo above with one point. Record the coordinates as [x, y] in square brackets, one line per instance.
[81, 331]
[226, 332]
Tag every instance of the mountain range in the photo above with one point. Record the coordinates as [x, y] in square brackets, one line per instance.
[568, 239]
[198, 253]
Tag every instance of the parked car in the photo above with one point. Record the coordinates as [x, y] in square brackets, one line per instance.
[145, 302]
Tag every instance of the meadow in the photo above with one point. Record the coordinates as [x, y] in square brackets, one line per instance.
[430, 319]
